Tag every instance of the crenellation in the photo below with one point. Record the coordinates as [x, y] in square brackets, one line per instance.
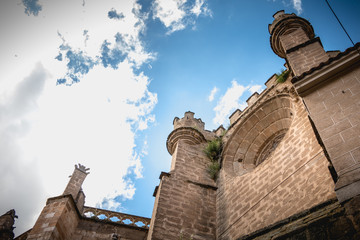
[252, 98]
[189, 121]
[271, 81]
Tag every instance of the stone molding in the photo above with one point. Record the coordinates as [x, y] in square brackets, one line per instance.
[324, 72]
[189, 135]
[313, 40]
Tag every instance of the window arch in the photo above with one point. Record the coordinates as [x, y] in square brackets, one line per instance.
[257, 135]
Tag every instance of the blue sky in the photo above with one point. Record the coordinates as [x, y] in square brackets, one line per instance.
[100, 84]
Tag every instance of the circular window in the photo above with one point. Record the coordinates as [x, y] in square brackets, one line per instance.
[270, 146]
[257, 135]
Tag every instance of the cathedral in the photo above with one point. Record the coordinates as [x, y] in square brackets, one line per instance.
[287, 167]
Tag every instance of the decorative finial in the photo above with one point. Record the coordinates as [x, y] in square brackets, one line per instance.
[82, 168]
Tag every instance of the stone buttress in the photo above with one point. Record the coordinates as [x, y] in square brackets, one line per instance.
[185, 199]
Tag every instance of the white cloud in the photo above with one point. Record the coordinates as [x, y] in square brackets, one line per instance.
[297, 5]
[200, 8]
[229, 102]
[136, 165]
[170, 13]
[19, 175]
[177, 14]
[45, 129]
[255, 88]
[212, 94]
[93, 123]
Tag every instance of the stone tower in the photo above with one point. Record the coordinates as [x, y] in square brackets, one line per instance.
[293, 38]
[185, 204]
[59, 218]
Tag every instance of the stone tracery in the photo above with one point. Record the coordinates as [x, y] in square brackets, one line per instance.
[257, 134]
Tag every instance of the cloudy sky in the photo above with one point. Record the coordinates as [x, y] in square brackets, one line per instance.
[99, 83]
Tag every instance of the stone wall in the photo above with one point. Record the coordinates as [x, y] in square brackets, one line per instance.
[61, 220]
[64, 217]
[335, 109]
[294, 177]
[57, 220]
[326, 221]
[329, 85]
[185, 200]
[89, 229]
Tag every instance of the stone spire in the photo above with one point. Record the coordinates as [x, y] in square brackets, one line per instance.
[75, 183]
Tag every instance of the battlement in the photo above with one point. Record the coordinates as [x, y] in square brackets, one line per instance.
[82, 168]
[191, 130]
[189, 121]
[257, 99]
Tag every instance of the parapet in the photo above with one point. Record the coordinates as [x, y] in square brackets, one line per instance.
[189, 129]
[189, 121]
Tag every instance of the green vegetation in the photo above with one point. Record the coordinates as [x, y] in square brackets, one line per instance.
[213, 169]
[213, 149]
[213, 152]
[282, 76]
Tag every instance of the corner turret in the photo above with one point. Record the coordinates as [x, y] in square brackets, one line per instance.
[293, 38]
[185, 200]
[190, 129]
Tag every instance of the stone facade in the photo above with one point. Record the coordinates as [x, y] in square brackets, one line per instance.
[293, 177]
[63, 217]
[289, 165]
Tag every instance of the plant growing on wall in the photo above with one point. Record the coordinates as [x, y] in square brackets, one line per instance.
[213, 169]
[213, 152]
[282, 76]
